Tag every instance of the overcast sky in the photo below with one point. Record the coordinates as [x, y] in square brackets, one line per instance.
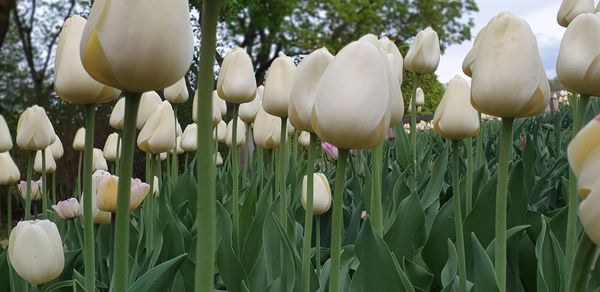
[541, 16]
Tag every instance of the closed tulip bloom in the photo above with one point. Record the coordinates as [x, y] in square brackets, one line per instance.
[423, 56]
[220, 103]
[236, 83]
[117, 116]
[67, 209]
[148, 103]
[584, 156]
[386, 46]
[155, 186]
[110, 147]
[162, 156]
[321, 194]
[454, 117]
[178, 92]
[289, 128]
[306, 79]
[158, 134]
[509, 79]
[420, 97]
[304, 139]
[218, 159]
[36, 189]
[34, 130]
[71, 82]
[107, 192]
[351, 107]
[151, 45]
[99, 216]
[98, 161]
[5, 138]
[178, 130]
[331, 152]
[589, 213]
[267, 130]
[57, 149]
[220, 132]
[36, 252]
[217, 108]
[249, 110]
[472, 54]
[189, 138]
[10, 173]
[179, 150]
[570, 9]
[50, 163]
[241, 133]
[577, 67]
[79, 140]
[278, 86]
[394, 77]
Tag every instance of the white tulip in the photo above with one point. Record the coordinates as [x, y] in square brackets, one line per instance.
[220, 132]
[110, 147]
[240, 135]
[158, 135]
[423, 56]
[217, 108]
[10, 173]
[117, 116]
[98, 162]
[454, 117]
[247, 111]
[34, 130]
[570, 9]
[278, 86]
[236, 83]
[178, 92]
[267, 130]
[189, 138]
[321, 194]
[50, 163]
[148, 103]
[5, 138]
[57, 149]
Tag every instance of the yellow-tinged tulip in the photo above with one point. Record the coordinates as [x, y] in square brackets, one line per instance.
[248, 111]
[570, 9]
[148, 103]
[470, 57]
[10, 173]
[589, 213]
[36, 252]
[189, 138]
[454, 117]
[79, 140]
[98, 161]
[278, 86]
[584, 156]
[509, 79]
[156, 54]
[34, 130]
[110, 147]
[57, 149]
[423, 56]
[351, 107]
[117, 116]
[577, 67]
[158, 134]
[420, 97]
[321, 194]
[99, 216]
[71, 82]
[5, 138]
[306, 79]
[267, 130]
[218, 159]
[50, 163]
[178, 92]
[220, 132]
[241, 133]
[217, 108]
[236, 83]
[304, 139]
[106, 192]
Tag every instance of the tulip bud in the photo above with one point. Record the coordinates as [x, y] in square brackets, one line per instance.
[189, 138]
[117, 116]
[577, 66]
[331, 152]
[162, 156]
[151, 45]
[34, 130]
[289, 128]
[267, 130]
[158, 134]
[509, 79]
[148, 104]
[220, 132]
[179, 150]
[110, 147]
[107, 192]
[386, 46]
[79, 140]
[321, 194]
[50, 163]
[71, 82]
[6, 143]
[217, 108]
[99, 216]
[236, 83]
[177, 93]
[589, 213]
[423, 56]
[472, 54]
[155, 187]
[218, 159]
[67, 209]
[351, 108]
[420, 97]
[304, 88]
[178, 130]
[570, 9]
[278, 86]
[241, 133]
[10, 173]
[584, 156]
[36, 252]
[454, 117]
[57, 149]
[249, 110]
[36, 189]
[219, 102]
[304, 139]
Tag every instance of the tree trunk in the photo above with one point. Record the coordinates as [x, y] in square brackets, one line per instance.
[5, 6]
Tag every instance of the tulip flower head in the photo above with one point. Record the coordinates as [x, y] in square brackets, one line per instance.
[278, 86]
[217, 108]
[36, 189]
[584, 156]
[98, 161]
[218, 159]
[249, 110]
[454, 117]
[179, 150]
[304, 139]
[177, 93]
[10, 173]
[236, 83]
[420, 97]
[6, 143]
[330, 151]
[67, 209]
[267, 130]
[470, 57]
[220, 132]
[79, 140]
[117, 116]
[50, 163]
[158, 134]
[148, 103]
[189, 138]
[240, 135]
[34, 130]
[423, 56]
[321, 194]
[57, 149]
[110, 147]
[589, 212]
[106, 191]
[570, 9]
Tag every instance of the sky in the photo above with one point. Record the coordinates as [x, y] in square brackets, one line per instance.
[541, 16]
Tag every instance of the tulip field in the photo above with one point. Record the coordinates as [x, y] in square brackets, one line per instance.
[322, 173]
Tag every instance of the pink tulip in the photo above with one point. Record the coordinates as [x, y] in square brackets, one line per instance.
[330, 151]
[36, 189]
[67, 209]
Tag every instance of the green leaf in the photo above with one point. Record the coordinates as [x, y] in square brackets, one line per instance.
[550, 261]
[484, 277]
[435, 250]
[451, 268]
[434, 187]
[408, 231]
[63, 286]
[403, 152]
[229, 266]
[159, 278]
[418, 275]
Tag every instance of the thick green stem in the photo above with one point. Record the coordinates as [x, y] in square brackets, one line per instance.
[585, 261]
[121, 259]
[376, 212]
[318, 246]
[281, 172]
[501, 201]
[581, 106]
[336, 229]
[205, 166]
[458, 224]
[28, 188]
[149, 204]
[235, 168]
[88, 224]
[54, 188]
[174, 157]
[308, 215]
[413, 139]
[44, 185]
[9, 211]
[469, 176]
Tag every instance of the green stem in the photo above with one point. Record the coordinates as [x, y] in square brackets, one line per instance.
[458, 224]
[28, 188]
[281, 172]
[44, 185]
[149, 204]
[479, 147]
[260, 165]
[308, 215]
[88, 224]
[9, 211]
[54, 188]
[121, 259]
[205, 167]
[585, 261]
[235, 168]
[336, 229]
[318, 246]
[118, 154]
[413, 137]
[246, 155]
[580, 108]
[376, 212]
[501, 201]
[175, 156]
[469, 176]
[78, 192]
[273, 169]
